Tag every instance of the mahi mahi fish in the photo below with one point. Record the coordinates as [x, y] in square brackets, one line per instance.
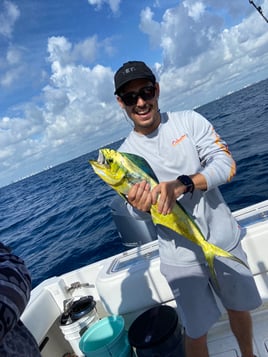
[122, 170]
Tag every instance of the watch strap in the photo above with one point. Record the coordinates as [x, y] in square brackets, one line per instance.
[188, 182]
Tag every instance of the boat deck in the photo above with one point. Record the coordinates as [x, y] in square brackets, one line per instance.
[129, 283]
[222, 342]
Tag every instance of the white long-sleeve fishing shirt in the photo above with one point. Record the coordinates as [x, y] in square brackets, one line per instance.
[185, 143]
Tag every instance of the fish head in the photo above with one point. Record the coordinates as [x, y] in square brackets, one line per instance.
[110, 167]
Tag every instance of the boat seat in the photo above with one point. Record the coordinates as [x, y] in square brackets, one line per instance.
[42, 311]
[133, 282]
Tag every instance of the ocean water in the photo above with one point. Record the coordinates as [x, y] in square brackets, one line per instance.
[60, 219]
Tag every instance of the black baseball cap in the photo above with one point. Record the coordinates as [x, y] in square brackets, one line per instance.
[132, 70]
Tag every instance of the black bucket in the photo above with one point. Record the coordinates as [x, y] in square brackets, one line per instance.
[78, 308]
[157, 333]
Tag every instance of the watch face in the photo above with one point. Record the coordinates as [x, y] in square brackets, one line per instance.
[187, 181]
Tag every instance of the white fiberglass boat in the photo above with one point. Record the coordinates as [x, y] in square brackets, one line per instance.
[130, 283]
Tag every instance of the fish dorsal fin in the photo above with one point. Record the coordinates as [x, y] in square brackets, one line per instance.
[142, 164]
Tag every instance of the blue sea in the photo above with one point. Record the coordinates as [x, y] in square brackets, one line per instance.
[60, 220]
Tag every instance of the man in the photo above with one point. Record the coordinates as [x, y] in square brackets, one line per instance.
[191, 161]
[15, 286]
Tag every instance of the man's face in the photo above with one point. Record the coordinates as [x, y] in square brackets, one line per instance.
[139, 99]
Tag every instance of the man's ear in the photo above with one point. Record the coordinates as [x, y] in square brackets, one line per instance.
[120, 102]
[157, 89]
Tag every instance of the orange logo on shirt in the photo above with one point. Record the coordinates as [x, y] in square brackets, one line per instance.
[177, 141]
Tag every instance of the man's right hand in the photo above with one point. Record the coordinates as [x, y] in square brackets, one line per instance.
[139, 196]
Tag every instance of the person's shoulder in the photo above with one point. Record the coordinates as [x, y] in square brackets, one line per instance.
[187, 113]
[182, 116]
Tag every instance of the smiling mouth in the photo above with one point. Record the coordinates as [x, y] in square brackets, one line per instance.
[143, 111]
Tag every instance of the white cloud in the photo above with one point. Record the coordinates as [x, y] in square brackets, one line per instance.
[10, 77]
[180, 36]
[11, 66]
[114, 4]
[199, 54]
[10, 57]
[9, 13]
[150, 26]
[13, 56]
[86, 51]
[74, 108]
[59, 50]
[63, 52]
[195, 10]
[74, 100]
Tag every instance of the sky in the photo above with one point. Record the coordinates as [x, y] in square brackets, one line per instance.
[58, 59]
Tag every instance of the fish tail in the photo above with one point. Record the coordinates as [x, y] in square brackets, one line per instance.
[210, 255]
[223, 253]
[238, 260]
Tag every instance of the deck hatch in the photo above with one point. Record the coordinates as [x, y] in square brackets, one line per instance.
[127, 261]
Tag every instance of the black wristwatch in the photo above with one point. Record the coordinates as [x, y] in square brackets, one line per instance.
[188, 182]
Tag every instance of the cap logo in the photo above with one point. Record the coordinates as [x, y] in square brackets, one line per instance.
[130, 70]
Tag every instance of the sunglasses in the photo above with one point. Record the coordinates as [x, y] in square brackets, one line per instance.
[131, 98]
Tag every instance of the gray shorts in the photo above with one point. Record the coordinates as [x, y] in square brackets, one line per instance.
[194, 295]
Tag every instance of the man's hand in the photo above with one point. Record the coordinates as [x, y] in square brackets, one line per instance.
[139, 196]
[166, 193]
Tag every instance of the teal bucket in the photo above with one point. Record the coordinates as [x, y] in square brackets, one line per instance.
[107, 337]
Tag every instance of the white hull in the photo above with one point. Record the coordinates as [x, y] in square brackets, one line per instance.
[129, 283]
